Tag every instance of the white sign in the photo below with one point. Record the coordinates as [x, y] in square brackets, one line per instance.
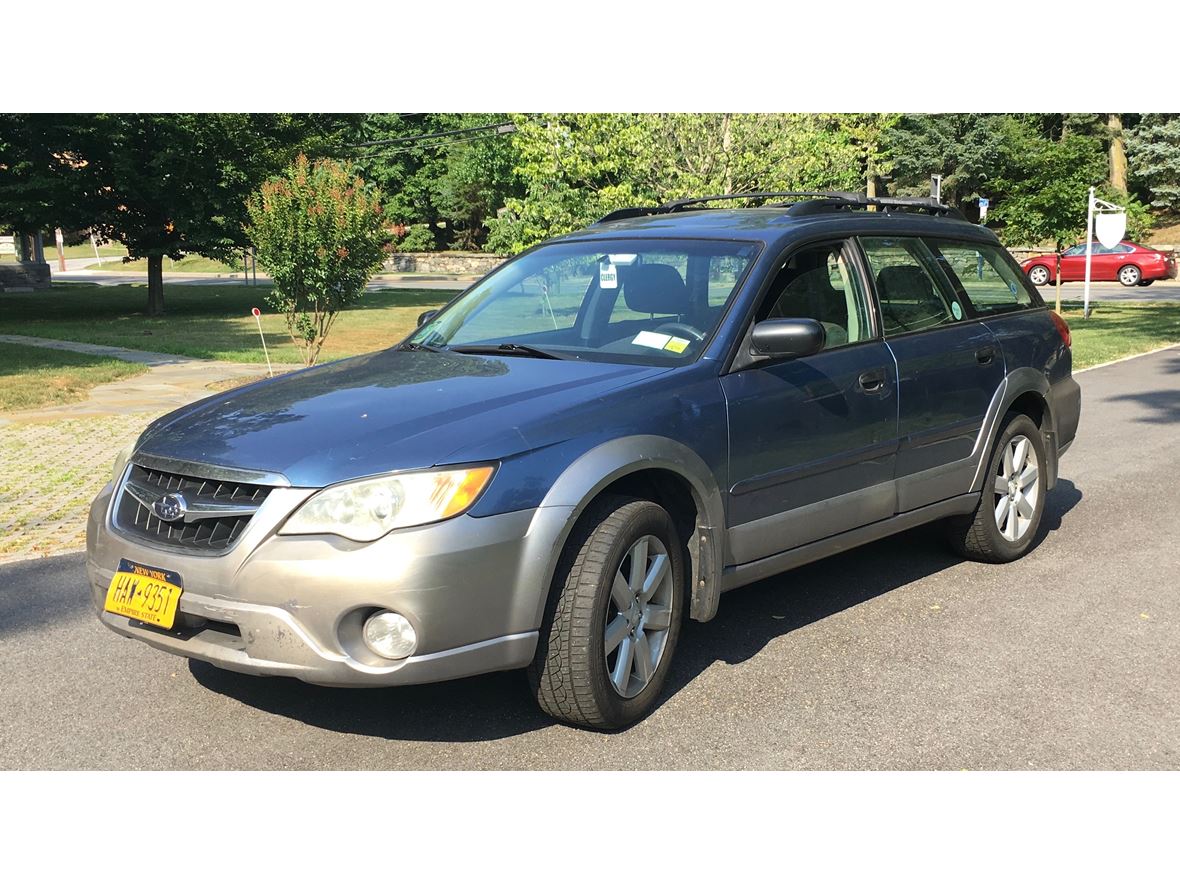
[1110, 227]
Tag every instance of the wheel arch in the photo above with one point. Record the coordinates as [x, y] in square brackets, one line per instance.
[652, 467]
[1024, 391]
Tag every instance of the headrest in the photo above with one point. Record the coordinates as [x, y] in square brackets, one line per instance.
[655, 288]
[902, 280]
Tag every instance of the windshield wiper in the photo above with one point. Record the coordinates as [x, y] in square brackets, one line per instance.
[414, 345]
[507, 347]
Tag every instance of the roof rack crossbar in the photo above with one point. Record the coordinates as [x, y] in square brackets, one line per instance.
[801, 203]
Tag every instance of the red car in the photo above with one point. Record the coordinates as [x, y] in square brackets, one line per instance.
[1129, 263]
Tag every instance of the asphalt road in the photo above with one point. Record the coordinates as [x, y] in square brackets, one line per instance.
[897, 655]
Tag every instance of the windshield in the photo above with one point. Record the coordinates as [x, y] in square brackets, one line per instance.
[651, 302]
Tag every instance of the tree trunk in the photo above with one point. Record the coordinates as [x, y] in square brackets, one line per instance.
[726, 147]
[155, 305]
[1118, 153]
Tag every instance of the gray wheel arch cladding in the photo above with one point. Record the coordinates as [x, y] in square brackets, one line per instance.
[1015, 385]
[603, 465]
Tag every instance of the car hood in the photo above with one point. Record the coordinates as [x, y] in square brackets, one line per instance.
[390, 410]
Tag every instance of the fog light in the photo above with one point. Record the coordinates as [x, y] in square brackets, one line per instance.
[390, 635]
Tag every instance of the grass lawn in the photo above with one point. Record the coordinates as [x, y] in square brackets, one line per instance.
[212, 322]
[35, 376]
[1118, 329]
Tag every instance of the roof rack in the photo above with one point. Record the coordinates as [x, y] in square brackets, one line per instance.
[799, 203]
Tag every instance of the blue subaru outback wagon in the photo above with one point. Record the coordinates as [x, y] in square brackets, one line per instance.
[592, 444]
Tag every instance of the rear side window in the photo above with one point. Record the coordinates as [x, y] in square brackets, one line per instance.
[911, 294]
[982, 275]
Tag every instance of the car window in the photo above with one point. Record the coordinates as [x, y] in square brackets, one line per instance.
[818, 283]
[1074, 250]
[643, 301]
[982, 275]
[909, 289]
[1124, 248]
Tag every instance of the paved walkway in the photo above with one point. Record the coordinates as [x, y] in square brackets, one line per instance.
[170, 382]
[54, 460]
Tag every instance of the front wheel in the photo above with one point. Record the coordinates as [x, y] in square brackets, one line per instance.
[614, 617]
[1009, 513]
[1038, 275]
[1130, 275]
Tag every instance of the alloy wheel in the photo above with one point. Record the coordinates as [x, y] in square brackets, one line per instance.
[1038, 276]
[1017, 489]
[638, 617]
[1129, 275]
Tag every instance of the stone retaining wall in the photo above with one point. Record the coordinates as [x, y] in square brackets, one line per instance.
[474, 264]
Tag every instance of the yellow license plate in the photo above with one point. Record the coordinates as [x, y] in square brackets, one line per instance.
[144, 593]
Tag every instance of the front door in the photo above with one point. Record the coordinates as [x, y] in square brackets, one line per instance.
[812, 439]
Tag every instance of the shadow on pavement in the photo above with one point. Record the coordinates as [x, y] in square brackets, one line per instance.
[499, 705]
[28, 600]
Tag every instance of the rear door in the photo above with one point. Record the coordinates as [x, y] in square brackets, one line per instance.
[812, 439]
[949, 368]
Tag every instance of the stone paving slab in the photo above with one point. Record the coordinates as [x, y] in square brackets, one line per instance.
[54, 460]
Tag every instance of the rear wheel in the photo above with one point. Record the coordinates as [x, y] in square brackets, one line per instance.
[1038, 275]
[1009, 513]
[1130, 275]
[611, 628]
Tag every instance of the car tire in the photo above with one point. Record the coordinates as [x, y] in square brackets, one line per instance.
[1130, 275]
[1005, 522]
[1039, 275]
[1146, 282]
[604, 651]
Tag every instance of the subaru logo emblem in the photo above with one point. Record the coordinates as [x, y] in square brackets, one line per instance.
[171, 507]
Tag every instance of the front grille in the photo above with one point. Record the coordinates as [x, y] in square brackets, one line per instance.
[205, 532]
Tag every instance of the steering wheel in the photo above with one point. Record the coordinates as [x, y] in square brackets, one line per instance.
[683, 329]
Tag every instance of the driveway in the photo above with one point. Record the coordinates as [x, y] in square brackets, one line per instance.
[896, 655]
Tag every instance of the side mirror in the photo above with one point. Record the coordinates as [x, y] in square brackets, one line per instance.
[425, 317]
[788, 338]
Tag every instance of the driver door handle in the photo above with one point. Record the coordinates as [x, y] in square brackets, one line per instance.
[873, 381]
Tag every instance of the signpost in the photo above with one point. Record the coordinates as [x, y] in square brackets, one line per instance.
[984, 202]
[1111, 223]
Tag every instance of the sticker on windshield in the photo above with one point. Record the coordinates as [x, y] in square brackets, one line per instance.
[608, 276]
[676, 345]
[652, 339]
[956, 310]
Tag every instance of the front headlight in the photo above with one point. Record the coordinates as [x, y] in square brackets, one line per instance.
[367, 509]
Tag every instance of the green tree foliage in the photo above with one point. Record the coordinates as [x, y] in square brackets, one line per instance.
[1154, 150]
[161, 184]
[321, 233]
[577, 167]
[432, 175]
[963, 148]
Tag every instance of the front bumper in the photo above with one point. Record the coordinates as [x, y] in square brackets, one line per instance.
[293, 605]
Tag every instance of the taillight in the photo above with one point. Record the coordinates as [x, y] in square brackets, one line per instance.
[1062, 327]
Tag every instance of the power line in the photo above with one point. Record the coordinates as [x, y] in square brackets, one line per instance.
[502, 128]
[391, 151]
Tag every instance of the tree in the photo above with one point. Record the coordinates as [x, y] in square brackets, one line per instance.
[161, 184]
[1045, 183]
[963, 148]
[321, 233]
[1154, 148]
[577, 167]
[1118, 154]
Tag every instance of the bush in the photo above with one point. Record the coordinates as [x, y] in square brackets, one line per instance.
[417, 239]
[320, 232]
